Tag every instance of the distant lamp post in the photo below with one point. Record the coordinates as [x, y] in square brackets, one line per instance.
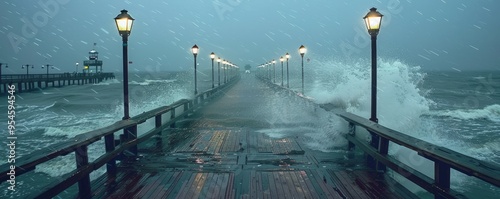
[124, 24]
[27, 66]
[274, 71]
[302, 51]
[373, 21]
[6, 66]
[281, 60]
[195, 50]
[76, 67]
[212, 56]
[48, 66]
[218, 69]
[224, 70]
[287, 80]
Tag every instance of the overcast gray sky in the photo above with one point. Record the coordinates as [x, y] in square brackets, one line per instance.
[434, 34]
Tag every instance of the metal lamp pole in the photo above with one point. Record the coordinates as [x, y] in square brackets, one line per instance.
[274, 71]
[195, 49]
[373, 21]
[218, 69]
[27, 69]
[281, 60]
[124, 24]
[287, 80]
[48, 66]
[212, 56]
[302, 51]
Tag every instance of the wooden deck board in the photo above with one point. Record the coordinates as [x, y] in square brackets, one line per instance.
[265, 169]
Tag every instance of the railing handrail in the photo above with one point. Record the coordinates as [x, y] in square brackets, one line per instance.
[467, 165]
[53, 75]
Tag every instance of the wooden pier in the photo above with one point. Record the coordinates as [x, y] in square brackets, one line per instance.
[25, 83]
[211, 147]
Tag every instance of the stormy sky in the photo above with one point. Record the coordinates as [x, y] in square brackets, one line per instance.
[433, 34]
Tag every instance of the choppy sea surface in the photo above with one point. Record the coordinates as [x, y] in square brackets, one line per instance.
[459, 110]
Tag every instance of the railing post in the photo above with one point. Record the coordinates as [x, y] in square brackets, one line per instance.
[375, 139]
[109, 141]
[352, 131]
[172, 116]
[186, 107]
[131, 134]
[383, 150]
[82, 160]
[158, 122]
[441, 177]
[159, 143]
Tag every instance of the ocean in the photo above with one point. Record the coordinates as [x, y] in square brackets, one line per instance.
[459, 110]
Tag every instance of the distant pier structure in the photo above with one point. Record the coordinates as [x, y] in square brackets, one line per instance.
[92, 62]
[33, 82]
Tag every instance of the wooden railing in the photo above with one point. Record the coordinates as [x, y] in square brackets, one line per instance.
[444, 159]
[128, 142]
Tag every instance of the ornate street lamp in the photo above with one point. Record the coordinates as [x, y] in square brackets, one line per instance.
[212, 56]
[302, 51]
[281, 60]
[373, 21]
[124, 24]
[195, 51]
[287, 58]
[218, 68]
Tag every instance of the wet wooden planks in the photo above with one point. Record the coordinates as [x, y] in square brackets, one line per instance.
[173, 184]
[269, 171]
[212, 142]
[280, 146]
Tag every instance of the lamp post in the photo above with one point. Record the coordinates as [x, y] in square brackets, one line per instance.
[281, 60]
[274, 71]
[124, 24]
[76, 67]
[224, 62]
[218, 69]
[6, 66]
[287, 80]
[373, 20]
[302, 51]
[195, 50]
[27, 68]
[48, 66]
[212, 56]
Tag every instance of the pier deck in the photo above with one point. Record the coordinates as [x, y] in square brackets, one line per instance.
[221, 152]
